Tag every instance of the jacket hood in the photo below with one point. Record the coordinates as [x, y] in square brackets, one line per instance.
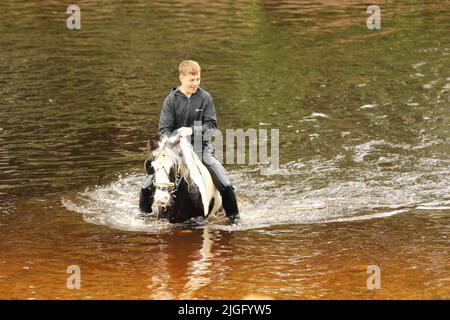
[177, 92]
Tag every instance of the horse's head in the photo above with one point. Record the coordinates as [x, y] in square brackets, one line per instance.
[166, 163]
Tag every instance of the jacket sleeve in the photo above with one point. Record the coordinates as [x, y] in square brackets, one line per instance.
[167, 118]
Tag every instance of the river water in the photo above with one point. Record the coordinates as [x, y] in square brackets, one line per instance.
[363, 118]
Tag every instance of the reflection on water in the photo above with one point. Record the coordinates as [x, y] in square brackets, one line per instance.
[364, 148]
[200, 270]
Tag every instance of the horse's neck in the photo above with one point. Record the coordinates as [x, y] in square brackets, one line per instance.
[183, 170]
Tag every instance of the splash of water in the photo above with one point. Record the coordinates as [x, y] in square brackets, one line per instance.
[314, 191]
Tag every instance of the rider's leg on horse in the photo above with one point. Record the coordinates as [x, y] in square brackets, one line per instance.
[222, 183]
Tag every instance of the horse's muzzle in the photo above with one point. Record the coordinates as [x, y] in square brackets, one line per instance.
[162, 199]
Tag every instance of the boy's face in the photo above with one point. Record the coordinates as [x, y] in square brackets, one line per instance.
[190, 83]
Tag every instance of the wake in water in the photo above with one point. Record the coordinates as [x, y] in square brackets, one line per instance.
[315, 191]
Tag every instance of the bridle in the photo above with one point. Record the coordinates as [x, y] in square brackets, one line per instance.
[171, 187]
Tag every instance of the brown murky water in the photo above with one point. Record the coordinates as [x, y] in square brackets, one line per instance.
[363, 117]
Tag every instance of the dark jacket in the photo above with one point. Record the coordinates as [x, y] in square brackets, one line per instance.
[180, 111]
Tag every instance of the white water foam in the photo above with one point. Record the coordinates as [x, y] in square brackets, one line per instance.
[114, 205]
[301, 192]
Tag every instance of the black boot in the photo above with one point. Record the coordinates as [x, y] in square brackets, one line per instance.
[229, 204]
[146, 195]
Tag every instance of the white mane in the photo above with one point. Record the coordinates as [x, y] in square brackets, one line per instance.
[194, 165]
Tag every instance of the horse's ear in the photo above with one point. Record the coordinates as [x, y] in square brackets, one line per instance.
[152, 144]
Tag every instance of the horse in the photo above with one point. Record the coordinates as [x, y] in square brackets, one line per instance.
[181, 187]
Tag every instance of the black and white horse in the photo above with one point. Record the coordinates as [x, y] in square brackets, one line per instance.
[180, 187]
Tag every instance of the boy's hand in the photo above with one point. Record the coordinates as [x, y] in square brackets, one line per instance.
[185, 131]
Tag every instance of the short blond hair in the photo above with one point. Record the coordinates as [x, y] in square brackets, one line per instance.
[189, 67]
